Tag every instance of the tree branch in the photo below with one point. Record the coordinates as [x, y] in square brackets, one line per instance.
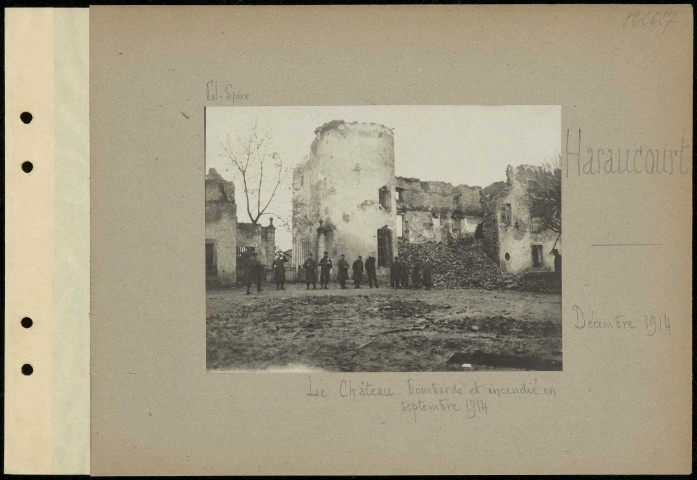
[249, 156]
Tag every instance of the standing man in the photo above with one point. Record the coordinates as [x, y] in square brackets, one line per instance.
[427, 271]
[370, 270]
[358, 272]
[557, 260]
[405, 274]
[343, 271]
[252, 272]
[395, 272]
[325, 266]
[279, 271]
[310, 267]
[416, 275]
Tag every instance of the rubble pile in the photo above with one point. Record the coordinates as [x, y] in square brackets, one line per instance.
[459, 264]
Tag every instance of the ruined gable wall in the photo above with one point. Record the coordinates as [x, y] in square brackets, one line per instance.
[517, 242]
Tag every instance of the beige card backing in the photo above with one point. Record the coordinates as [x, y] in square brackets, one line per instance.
[623, 76]
[47, 241]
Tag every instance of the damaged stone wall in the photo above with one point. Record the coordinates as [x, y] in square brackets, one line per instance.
[306, 210]
[221, 226]
[438, 196]
[336, 191]
[438, 211]
[517, 237]
[421, 226]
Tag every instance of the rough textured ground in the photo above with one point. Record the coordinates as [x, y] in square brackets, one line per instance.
[379, 330]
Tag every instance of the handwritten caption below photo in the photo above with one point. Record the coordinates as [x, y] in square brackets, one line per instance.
[419, 399]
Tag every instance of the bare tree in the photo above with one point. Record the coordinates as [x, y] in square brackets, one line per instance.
[252, 157]
[543, 191]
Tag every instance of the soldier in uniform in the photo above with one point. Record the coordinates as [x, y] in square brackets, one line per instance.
[310, 267]
[343, 271]
[427, 271]
[405, 274]
[252, 272]
[557, 260]
[325, 266]
[279, 271]
[370, 270]
[416, 275]
[358, 272]
[395, 273]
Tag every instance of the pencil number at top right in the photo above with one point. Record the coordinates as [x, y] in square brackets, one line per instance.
[659, 20]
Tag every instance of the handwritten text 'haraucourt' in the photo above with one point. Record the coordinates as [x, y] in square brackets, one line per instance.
[641, 160]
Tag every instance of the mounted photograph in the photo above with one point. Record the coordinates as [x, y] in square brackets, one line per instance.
[383, 238]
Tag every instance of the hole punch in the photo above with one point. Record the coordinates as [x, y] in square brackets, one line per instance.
[27, 369]
[27, 322]
[27, 167]
[26, 117]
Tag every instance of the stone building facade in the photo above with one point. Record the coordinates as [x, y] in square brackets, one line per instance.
[229, 242]
[344, 194]
[221, 228]
[523, 246]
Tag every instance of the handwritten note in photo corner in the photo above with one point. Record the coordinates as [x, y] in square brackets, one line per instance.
[223, 91]
[420, 399]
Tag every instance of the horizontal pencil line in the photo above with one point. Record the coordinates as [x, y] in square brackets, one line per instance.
[624, 244]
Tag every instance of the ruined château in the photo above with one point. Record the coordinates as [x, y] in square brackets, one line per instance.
[347, 200]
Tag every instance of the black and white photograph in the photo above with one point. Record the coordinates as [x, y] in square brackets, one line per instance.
[383, 238]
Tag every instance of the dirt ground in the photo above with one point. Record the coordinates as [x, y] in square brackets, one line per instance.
[382, 329]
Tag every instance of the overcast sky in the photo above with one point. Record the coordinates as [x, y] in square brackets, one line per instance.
[458, 144]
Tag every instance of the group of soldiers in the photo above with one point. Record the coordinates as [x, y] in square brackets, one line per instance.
[325, 267]
[400, 272]
[421, 274]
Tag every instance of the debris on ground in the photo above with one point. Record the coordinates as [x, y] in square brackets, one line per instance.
[463, 263]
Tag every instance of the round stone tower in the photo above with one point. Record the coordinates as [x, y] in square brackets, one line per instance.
[352, 174]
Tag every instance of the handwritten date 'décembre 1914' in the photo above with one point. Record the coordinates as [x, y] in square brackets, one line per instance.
[650, 325]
